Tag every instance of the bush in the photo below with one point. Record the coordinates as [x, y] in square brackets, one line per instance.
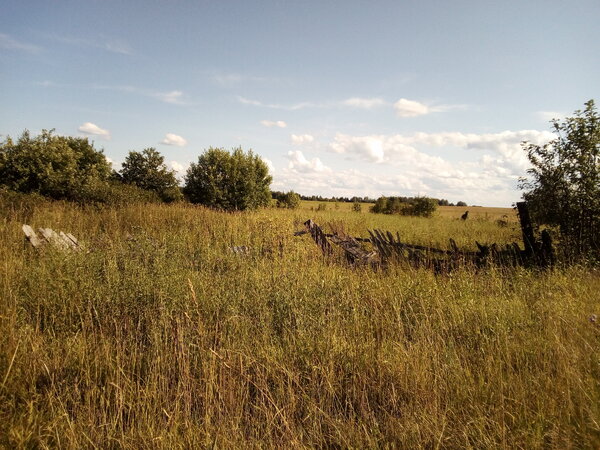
[421, 207]
[58, 167]
[289, 200]
[229, 181]
[415, 206]
[356, 207]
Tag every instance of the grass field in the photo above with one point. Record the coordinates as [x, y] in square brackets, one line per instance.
[158, 336]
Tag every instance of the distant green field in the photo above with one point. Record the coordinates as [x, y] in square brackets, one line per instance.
[157, 335]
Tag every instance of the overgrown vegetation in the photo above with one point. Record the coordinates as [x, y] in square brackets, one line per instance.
[289, 200]
[57, 167]
[563, 188]
[407, 206]
[159, 336]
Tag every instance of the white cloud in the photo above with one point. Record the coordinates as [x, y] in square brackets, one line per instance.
[270, 165]
[95, 130]
[272, 123]
[302, 139]
[173, 97]
[402, 149]
[176, 166]
[364, 103]
[173, 139]
[9, 43]
[410, 108]
[299, 163]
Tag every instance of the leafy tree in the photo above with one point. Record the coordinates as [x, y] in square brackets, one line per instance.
[421, 207]
[147, 170]
[563, 187]
[289, 200]
[59, 167]
[229, 180]
[461, 204]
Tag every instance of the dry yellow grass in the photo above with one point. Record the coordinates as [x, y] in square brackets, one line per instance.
[160, 337]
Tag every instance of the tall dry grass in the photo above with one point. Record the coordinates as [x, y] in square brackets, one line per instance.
[158, 336]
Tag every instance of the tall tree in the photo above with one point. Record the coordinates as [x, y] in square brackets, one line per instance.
[229, 180]
[563, 187]
[147, 170]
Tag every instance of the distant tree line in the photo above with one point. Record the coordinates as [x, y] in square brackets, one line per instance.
[406, 206]
[71, 168]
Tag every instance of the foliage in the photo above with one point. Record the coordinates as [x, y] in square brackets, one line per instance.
[421, 207]
[563, 188]
[407, 206]
[461, 203]
[59, 167]
[233, 181]
[356, 207]
[148, 171]
[289, 200]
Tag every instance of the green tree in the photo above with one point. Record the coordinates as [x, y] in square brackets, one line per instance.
[289, 200]
[229, 180]
[147, 170]
[59, 167]
[421, 207]
[563, 186]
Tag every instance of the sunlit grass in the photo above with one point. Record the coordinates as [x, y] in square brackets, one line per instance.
[157, 335]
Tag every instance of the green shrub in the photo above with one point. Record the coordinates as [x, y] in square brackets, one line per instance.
[289, 200]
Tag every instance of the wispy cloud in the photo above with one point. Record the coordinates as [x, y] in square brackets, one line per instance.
[173, 97]
[364, 103]
[413, 108]
[110, 45]
[274, 123]
[173, 139]
[9, 43]
[94, 130]
[292, 107]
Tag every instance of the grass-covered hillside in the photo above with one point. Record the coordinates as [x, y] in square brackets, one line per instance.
[158, 336]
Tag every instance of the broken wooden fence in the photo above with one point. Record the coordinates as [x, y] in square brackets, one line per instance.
[387, 248]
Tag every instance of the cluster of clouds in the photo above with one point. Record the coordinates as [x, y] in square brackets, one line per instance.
[393, 164]
[91, 129]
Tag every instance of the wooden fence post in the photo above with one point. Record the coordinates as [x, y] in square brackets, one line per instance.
[527, 229]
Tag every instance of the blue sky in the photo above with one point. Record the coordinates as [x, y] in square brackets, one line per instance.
[340, 97]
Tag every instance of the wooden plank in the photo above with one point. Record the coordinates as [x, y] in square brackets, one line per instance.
[526, 229]
[32, 237]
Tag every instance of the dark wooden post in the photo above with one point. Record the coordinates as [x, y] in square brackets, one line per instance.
[527, 229]
[318, 236]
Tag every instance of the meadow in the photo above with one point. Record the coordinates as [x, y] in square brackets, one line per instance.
[156, 335]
